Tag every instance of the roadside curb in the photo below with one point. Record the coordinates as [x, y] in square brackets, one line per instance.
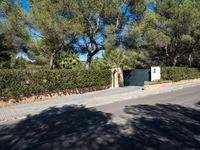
[157, 85]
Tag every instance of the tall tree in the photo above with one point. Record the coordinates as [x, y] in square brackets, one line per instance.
[13, 32]
[96, 16]
[50, 27]
[169, 32]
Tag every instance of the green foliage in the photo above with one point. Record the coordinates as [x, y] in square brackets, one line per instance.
[14, 23]
[5, 50]
[99, 63]
[171, 33]
[119, 57]
[14, 83]
[20, 63]
[5, 65]
[95, 17]
[128, 59]
[5, 59]
[46, 29]
[68, 60]
[13, 33]
[179, 73]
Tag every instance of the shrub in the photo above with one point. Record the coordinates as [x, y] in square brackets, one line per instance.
[14, 83]
[68, 60]
[179, 73]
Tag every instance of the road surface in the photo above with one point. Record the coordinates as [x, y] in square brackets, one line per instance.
[187, 97]
[169, 121]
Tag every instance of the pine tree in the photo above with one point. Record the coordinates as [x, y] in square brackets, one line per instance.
[170, 32]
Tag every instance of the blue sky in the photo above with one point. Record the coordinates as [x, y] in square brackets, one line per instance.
[25, 6]
[24, 55]
[152, 8]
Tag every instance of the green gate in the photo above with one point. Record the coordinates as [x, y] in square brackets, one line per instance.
[136, 77]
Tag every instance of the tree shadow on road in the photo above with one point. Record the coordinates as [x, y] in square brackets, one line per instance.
[72, 127]
[150, 127]
[198, 104]
[164, 127]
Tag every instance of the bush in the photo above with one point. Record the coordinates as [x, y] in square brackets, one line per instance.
[14, 83]
[179, 73]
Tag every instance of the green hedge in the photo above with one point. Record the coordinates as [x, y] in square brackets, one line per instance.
[179, 73]
[14, 83]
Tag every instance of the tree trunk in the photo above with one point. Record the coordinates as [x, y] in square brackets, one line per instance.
[51, 65]
[88, 62]
[174, 61]
[54, 57]
[53, 61]
[167, 55]
[92, 50]
[56, 64]
[166, 60]
[190, 60]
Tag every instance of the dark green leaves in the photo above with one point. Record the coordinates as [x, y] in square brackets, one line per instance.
[14, 83]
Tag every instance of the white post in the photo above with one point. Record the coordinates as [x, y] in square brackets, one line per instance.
[155, 73]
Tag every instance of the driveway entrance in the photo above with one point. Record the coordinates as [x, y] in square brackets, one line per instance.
[136, 77]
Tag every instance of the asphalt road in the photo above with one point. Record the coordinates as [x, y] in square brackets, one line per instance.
[187, 97]
[169, 121]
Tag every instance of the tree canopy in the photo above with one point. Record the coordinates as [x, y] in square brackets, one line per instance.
[123, 30]
[170, 33]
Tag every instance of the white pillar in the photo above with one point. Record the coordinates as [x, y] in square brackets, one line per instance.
[155, 73]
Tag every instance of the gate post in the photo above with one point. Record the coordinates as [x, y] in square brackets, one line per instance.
[117, 77]
[155, 73]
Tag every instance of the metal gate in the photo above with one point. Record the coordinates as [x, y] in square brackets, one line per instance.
[136, 77]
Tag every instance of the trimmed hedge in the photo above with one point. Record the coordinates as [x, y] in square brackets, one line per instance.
[15, 83]
[179, 73]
